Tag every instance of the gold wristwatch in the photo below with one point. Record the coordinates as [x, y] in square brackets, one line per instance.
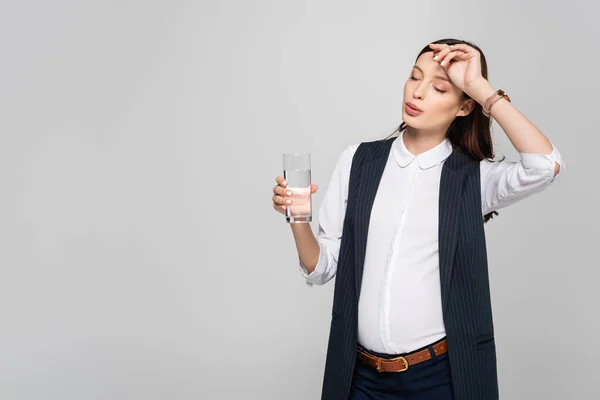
[487, 106]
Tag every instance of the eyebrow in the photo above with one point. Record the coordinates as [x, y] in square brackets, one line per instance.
[437, 76]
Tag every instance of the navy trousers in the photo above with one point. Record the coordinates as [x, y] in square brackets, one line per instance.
[428, 380]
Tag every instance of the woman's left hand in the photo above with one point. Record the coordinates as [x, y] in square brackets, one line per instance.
[461, 62]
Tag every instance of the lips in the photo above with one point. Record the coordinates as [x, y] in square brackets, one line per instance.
[413, 112]
[414, 107]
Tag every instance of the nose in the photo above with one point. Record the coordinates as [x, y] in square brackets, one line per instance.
[418, 92]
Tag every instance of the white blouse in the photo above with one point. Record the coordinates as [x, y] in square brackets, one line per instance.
[400, 306]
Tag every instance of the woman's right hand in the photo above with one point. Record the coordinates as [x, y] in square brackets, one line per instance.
[282, 197]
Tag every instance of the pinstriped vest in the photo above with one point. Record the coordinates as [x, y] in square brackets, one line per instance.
[466, 302]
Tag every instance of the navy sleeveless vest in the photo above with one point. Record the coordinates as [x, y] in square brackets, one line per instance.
[465, 290]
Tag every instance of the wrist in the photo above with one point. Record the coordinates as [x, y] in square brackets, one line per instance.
[481, 91]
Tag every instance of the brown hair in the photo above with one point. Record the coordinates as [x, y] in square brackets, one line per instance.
[470, 133]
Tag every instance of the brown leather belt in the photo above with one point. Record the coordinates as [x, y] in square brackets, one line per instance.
[400, 364]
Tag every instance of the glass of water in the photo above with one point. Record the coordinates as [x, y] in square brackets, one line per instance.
[296, 171]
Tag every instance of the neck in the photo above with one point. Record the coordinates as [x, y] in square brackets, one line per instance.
[419, 141]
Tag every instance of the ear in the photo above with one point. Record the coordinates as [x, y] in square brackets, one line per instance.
[467, 107]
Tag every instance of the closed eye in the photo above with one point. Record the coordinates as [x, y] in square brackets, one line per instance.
[412, 78]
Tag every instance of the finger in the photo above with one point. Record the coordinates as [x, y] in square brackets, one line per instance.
[437, 45]
[314, 188]
[281, 181]
[281, 200]
[439, 50]
[281, 191]
[449, 57]
[279, 208]
[463, 47]
[457, 55]
[442, 53]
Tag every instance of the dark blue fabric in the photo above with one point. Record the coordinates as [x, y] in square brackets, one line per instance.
[464, 281]
[428, 380]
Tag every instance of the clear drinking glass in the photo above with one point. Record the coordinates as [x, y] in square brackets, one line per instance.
[296, 171]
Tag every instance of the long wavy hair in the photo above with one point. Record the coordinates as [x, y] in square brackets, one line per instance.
[471, 133]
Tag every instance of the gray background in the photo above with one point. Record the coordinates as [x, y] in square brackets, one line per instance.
[140, 256]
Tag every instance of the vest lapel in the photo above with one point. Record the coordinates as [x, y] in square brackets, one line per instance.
[365, 189]
[449, 207]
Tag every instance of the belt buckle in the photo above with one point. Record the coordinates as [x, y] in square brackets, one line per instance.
[379, 369]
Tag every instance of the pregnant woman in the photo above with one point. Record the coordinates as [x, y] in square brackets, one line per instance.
[401, 228]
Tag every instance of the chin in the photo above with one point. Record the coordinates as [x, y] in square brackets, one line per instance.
[413, 122]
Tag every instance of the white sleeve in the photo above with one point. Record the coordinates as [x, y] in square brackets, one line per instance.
[506, 182]
[331, 221]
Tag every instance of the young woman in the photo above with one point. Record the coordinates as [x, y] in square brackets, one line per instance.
[401, 228]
